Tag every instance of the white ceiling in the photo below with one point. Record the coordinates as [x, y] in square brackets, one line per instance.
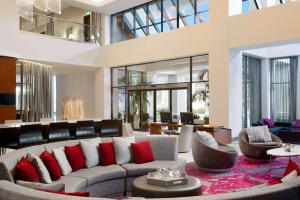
[276, 51]
[105, 6]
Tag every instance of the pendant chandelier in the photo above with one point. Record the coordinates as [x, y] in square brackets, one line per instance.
[25, 7]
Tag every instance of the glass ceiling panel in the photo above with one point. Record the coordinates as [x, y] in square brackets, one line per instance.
[128, 19]
[141, 17]
[187, 12]
[155, 18]
[202, 11]
[170, 14]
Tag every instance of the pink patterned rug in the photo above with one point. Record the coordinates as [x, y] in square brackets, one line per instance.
[244, 174]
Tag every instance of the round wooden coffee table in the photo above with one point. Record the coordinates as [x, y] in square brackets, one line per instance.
[140, 188]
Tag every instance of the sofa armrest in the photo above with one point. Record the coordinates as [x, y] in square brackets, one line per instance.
[283, 124]
[163, 147]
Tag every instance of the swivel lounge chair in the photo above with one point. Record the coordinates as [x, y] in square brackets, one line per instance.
[213, 160]
[257, 151]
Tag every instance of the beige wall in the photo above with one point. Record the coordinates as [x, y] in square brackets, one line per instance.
[218, 38]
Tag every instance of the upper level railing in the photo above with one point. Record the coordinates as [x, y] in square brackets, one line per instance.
[61, 28]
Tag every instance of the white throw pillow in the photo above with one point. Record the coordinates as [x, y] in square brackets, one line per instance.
[122, 147]
[207, 139]
[267, 134]
[53, 187]
[90, 150]
[62, 160]
[256, 134]
[41, 168]
[290, 176]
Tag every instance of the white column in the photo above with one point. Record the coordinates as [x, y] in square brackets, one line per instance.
[265, 88]
[236, 92]
[105, 30]
[219, 64]
[103, 93]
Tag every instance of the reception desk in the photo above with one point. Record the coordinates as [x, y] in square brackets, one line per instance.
[221, 134]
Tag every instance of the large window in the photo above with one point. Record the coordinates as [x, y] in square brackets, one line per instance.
[284, 88]
[157, 16]
[249, 5]
[251, 91]
[140, 92]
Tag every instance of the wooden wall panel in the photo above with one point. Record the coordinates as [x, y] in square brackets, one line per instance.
[7, 86]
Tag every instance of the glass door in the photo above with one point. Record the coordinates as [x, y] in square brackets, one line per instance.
[145, 106]
[178, 103]
[162, 102]
[147, 109]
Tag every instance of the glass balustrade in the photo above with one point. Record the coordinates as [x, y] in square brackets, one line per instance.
[61, 28]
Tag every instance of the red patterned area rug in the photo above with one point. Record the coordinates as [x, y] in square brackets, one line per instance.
[244, 174]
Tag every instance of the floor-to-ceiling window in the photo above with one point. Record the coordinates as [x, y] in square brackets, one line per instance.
[157, 16]
[284, 88]
[251, 90]
[140, 92]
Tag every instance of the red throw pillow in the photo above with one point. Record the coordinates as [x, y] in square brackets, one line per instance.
[79, 194]
[107, 154]
[274, 181]
[142, 152]
[291, 167]
[25, 171]
[75, 157]
[51, 164]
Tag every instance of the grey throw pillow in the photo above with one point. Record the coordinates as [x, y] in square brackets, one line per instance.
[90, 150]
[54, 187]
[256, 134]
[122, 149]
[207, 139]
[41, 168]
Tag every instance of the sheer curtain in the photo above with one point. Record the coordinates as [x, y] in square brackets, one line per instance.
[251, 90]
[284, 88]
[35, 91]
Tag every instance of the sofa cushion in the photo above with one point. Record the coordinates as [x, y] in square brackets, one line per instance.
[75, 157]
[55, 187]
[256, 134]
[62, 160]
[133, 169]
[207, 139]
[26, 171]
[90, 149]
[142, 152]
[72, 183]
[100, 173]
[77, 194]
[51, 164]
[292, 166]
[40, 167]
[269, 122]
[296, 123]
[122, 148]
[107, 154]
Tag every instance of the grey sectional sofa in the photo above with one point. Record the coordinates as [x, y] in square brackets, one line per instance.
[102, 181]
